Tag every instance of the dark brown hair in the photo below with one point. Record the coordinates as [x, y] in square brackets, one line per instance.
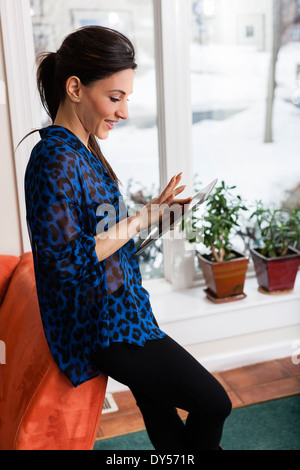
[91, 53]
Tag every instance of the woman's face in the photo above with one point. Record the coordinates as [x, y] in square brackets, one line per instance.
[104, 103]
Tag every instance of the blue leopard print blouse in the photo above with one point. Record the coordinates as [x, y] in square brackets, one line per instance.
[85, 304]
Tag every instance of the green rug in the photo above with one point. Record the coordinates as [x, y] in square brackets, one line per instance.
[273, 425]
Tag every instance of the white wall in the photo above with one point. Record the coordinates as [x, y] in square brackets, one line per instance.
[235, 14]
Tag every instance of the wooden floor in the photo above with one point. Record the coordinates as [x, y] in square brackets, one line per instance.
[245, 386]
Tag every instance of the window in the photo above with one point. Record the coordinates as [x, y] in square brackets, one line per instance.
[235, 137]
[203, 97]
[132, 148]
[249, 31]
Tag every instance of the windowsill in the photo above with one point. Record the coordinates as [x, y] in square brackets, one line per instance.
[192, 302]
[190, 318]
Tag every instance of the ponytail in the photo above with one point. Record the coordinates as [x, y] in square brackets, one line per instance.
[46, 82]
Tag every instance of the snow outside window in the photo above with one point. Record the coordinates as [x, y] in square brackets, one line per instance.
[241, 134]
[203, 96]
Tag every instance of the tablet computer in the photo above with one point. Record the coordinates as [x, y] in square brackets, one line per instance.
[174, 216]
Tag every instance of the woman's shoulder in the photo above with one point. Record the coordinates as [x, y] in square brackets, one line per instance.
[53, 147]
[52, 153]
[53, 164]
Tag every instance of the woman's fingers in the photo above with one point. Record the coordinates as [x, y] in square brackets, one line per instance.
[167, 192]
[183, 202]
[187, 200]
[153, 212]
[169, 199]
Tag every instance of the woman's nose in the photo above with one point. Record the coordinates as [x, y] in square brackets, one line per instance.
[122, 112]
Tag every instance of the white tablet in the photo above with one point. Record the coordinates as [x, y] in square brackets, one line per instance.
[174, 216]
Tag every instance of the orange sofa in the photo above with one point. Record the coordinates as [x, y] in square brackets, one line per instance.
[39, 408]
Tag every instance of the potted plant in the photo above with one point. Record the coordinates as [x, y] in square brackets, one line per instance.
[276, 259]
[224, 268]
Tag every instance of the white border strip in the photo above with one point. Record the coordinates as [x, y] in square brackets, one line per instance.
[21, 86]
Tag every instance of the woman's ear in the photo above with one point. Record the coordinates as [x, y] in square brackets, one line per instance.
[73, 87]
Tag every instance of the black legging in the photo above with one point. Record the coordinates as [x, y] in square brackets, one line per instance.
[163, 376]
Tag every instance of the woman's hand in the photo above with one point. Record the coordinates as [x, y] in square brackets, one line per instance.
[153, 212]
[160, 212]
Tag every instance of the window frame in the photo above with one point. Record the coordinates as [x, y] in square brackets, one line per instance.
[19, 60]
[174, 111]
[171, 23]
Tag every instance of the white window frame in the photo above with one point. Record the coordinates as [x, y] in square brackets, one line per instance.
[21, 87]
[174, 99]
[173, 94]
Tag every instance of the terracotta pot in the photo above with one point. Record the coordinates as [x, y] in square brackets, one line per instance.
[276, 275]
[224, 280]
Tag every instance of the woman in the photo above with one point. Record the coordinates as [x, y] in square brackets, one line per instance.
[96, 314]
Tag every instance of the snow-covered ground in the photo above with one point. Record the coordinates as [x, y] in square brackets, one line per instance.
[223, 79]
[233, 149]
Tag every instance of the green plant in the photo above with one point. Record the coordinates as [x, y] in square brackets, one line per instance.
[277, 229]
[221, 218]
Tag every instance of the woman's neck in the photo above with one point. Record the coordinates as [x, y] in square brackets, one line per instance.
[66, 117]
